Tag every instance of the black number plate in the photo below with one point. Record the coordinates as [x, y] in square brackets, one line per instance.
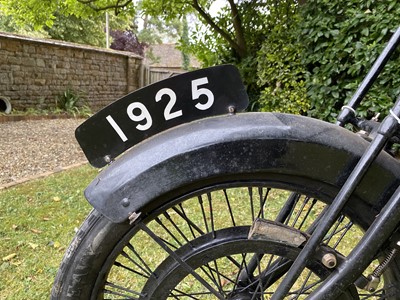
[157, 107]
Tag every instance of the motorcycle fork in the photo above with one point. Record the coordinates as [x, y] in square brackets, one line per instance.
[385, 223]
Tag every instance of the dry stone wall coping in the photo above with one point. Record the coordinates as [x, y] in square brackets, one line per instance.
[25, 39]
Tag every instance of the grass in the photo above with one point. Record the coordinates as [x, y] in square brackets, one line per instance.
[37, 222]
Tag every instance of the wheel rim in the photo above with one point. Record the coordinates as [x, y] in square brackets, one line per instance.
[133, 266]
[220, 259]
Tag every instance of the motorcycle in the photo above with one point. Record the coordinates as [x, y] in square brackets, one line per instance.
[199, 200]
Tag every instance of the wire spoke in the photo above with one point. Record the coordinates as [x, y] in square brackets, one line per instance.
[121, 265]
[209, 198]
[186, 241]
[142, 265]
[200, 199]
[263, 199]
[179, 260]
[174, 237]
[121, 291]
[180, 293]
[168, 217]
[229, 208]
[192, 226]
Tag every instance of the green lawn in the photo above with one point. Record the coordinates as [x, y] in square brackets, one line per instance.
[37, 222]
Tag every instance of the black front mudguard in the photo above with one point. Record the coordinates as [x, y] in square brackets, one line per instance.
[233, 146]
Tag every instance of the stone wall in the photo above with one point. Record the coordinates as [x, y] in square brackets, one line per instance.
[33, 72]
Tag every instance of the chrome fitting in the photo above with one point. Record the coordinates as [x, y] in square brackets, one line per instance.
[329, 260]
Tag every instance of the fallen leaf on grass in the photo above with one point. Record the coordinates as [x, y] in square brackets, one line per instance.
[33, 246]
[55, 244]
[37, 231]
[16, 263]
[56, 199]
[9, 257]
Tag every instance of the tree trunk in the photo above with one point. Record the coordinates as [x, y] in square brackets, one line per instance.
[237, 25]
[237, 43]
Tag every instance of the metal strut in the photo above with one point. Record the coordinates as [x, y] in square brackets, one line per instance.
[348, 111]
[385, 131]
[388, 126]
[362, 255]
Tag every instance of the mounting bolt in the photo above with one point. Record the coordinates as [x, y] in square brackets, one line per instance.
[329, 260]
[125, 202]
[232, 109]
[372, 284]
[107, 159]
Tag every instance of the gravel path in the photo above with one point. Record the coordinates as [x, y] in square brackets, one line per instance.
[31, 148]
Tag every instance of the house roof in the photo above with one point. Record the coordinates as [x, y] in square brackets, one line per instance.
[166, 56]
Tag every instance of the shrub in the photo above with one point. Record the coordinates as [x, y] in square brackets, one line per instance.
[281, 72]
[342, 40]
[72, 102]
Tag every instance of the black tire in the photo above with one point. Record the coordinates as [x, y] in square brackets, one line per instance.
[203, 226]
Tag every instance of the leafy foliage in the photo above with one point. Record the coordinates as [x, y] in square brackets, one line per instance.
[8, 24]
[293, 56]
[156, 31]
[280, 71]
[37, 13]
[311, 60]
[211, 47]
[66, 25]
[31, 13]
[78, 30]
[72, 102]
[126, 41]
[343, 39]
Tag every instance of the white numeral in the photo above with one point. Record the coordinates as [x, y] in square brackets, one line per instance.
[117, 129]
[197, 92]
[144, 115]
[139, 113]
[168, 115]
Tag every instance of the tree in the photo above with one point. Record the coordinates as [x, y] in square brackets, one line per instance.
[184, 41]
[280, 71]
[65, 23]
[153, 30]
[39, 13]
[7, 24]
[234, 35]
[171, 9]
[126, 41]
[317, 50]
[78, 30]
[83, 21]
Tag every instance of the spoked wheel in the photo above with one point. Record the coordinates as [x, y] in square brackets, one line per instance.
[197, 246]
[229, 266]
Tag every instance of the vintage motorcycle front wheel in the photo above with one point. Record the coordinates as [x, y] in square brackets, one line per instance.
[194, 243]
